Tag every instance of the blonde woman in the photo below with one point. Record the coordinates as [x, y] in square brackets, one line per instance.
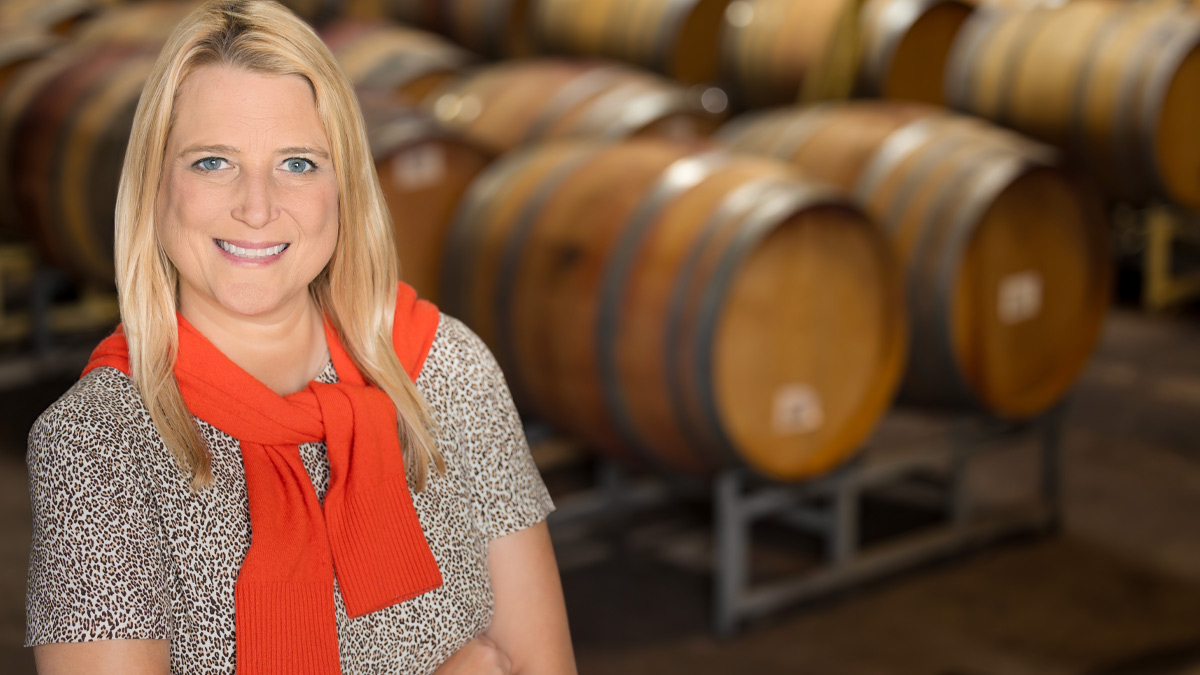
[283, 462]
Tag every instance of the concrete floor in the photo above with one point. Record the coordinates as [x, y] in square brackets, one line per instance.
[1116, 591]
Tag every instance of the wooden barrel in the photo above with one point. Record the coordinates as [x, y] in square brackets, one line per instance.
[905, 47]
[1019, 5]
[424, 171]
[18, 49]
[1117, 86]
[1005, 254]
[64, 125]
[57, 17]
[494, 28]
[681, 306]
[148, 23]
[409, 62]
[779, 51]
[673, 37]
[508, 104]
[316, 12]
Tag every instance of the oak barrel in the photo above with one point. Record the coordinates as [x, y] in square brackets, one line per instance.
[679, 305]
[424, 171]
[64, 125]
[1005, 253]
[508, 104]
[1116, 85]
[57, 17]
[780, 51]
[673, 37]
[409, 62]
[1018, 5]
[145, 23]
[494, 28]
[19, 47]
[905, 47]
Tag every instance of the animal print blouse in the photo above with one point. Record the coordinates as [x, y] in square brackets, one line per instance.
[122, 548]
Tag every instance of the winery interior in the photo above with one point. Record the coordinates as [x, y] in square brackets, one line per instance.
[852, 337]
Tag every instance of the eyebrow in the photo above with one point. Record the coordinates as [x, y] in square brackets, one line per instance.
[230, 150]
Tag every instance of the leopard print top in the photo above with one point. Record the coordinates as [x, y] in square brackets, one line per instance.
[123, 549]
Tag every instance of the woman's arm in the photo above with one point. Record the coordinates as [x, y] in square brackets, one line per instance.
[104, 657]
[530, 622]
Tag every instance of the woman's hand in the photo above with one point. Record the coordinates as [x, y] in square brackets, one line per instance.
[480, 656]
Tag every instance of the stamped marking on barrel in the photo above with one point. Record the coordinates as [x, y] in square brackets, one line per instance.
[1020, 297]
[797, 410]
[420, 167]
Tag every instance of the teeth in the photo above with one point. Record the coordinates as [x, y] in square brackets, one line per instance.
[250, 252]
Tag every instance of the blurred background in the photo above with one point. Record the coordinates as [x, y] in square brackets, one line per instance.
[852, 337]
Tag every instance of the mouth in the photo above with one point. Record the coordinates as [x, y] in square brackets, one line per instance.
[246, 253]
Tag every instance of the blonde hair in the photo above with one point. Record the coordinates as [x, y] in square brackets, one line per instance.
[356, 290]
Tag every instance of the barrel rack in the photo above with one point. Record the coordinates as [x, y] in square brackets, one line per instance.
[37, 328]
[929, 476]
[1166, 228]
[1162, 243]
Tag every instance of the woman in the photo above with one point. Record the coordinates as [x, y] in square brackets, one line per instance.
[270, 378]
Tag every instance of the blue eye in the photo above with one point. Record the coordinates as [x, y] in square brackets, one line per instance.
[299, 165]
[210, 164]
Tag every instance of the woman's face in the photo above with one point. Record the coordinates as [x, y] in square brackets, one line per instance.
[248, 204]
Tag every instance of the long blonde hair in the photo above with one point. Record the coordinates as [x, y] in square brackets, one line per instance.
[356, 290]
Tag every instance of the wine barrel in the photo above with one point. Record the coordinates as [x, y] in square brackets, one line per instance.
[64, 125]
[1113, 84]
[508, 104]
[1019, 5]
[58, 17]
[409, 62]
[1005, 254]
[681, 306]
[147, 24]
[424, 171]
[673, 37]
[779, 51]
[494, 28]
[18, 49]
[905, 47]
[316, 12]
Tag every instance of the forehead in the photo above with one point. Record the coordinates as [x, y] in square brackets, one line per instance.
[217, 103]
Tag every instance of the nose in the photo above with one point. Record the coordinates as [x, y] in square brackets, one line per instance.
[255, 203]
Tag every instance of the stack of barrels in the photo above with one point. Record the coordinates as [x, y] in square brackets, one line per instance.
[664, 266]
[1116, 85]
[1004, 255]
[681, 305]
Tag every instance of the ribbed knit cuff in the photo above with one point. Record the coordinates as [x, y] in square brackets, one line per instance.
[286, 629]
[379, 550]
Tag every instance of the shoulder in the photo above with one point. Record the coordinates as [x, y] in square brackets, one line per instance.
[461, 379]
[100, 414]
[459, 354]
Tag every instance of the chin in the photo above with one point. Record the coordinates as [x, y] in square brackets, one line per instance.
[251, 302]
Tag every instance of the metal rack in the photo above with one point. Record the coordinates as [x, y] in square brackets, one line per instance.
[39, 327]
[1154, 236]
[828, 509]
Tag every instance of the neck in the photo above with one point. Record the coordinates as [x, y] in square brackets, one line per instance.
[284, 350]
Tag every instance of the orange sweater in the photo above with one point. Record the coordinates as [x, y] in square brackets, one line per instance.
[366, 532]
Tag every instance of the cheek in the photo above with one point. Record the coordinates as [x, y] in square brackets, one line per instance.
[328, 218]
[178, 203]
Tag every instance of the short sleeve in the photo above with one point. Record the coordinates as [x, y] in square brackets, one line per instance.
[507, 489]
[95, 569]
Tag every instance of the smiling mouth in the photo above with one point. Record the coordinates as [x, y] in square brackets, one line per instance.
[250, 253]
